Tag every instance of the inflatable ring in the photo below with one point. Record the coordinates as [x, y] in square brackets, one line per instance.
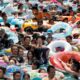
[1, 20]
[12, 68]
[31, 24]
[17, 22]
[11, 34]
[58, 26]
[59, 43]
[8, 20]
[65, 57]
[8, 50]
[3, 64]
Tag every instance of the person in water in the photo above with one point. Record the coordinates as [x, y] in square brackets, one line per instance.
[73, 67]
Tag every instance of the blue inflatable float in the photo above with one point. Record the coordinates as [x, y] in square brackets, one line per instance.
[58, 26]
[12, 35]
[18, 22]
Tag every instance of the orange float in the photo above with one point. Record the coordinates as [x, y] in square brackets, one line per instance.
[65, 57]
[70, 18]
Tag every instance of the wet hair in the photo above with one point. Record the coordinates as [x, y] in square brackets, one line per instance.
[43, 37]
[65, 19]
[64, 11]
[7, 24]
[41, 70]
[28, 54]
[61, 30]
[40, 29]
[14, 73]
[27, 37]
[40, 21]
[39, 37]
[27, 0]
[28, 29]
[70, 8]
[4, 14]
[20, 5]
[0, 13]
[35, 36]
[69, 37]
[45, 10]
[76, 65]
[35, 19]
[54, 18]
[36, 63]
[51, 20]
[75, 36]
[34, 8]
[17, 28]
[78, 22]
[49, 67]
[25, 75]
[3, 69]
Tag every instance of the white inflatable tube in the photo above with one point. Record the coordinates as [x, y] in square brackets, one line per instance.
[59, 43]
[58, 26]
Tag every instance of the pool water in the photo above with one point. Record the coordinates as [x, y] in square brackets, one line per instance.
[2, 6]
[69, 77]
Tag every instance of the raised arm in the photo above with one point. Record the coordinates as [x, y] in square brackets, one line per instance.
[68, 68]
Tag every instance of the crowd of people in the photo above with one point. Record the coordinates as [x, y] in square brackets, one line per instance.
[30, 21]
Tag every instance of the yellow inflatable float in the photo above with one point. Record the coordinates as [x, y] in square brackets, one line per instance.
[30, 23]
[8, 50]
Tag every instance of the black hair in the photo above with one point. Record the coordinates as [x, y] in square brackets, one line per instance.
[40, 29]
[78, 22]
[28, 55]
[39, 37]
[51, 20]
[27, 0]
[34, 8]
[7, 24]
[14, 45]
[76, 65]
[49, 67]
[35, 18]
[61, 30]
[43, 37]
[14, 73]
[40, 21]
[0, 13]
[54, 18]
[27, 37]
[20, 5]
[25, 75]
[75, 36]
[64, 11]
[70, 8]
[45, 10]
[35, 36]
[18, 28]
[65, 19]
[69, 36]
[3, 69]
[41, 70]
[28, 29]
[36, 5]
[36, 63]
[4, 14]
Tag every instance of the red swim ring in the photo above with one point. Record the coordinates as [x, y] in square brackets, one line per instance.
[64, 56]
